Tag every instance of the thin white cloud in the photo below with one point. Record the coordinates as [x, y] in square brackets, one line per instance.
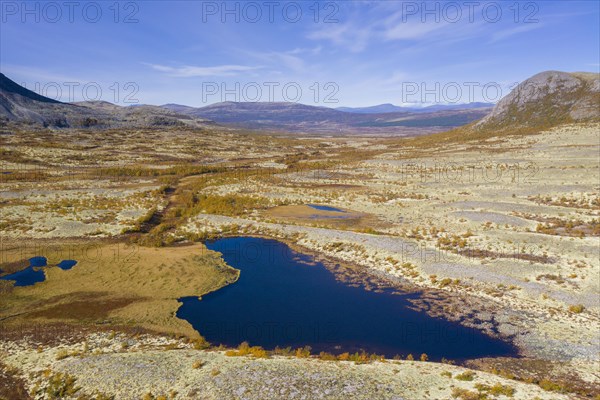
[396, 78]
[189, 71]
[294, 60]
[413, 30]
[358, 33]
[313, 51]
[348, 35]
[363, 28]
[398, 27]
[501, 35]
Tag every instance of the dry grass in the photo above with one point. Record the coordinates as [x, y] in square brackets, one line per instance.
[124, 285]
[11, 385]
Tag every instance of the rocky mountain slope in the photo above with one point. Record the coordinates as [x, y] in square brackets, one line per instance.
[547, 99]
[20, 106]
[143, 115]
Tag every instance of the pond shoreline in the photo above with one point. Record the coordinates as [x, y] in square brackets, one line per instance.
[334, 264]
[214, 319]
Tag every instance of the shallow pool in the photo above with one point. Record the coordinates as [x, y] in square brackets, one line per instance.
[284, 298]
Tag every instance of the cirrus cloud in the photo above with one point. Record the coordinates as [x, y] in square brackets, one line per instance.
[189, 71]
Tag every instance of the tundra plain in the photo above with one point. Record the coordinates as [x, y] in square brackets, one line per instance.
[499, 233]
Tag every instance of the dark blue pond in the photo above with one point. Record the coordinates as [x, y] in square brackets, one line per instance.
[283, 298]
[66, 264]
[38, 262]
[325, 208]
[30, 275]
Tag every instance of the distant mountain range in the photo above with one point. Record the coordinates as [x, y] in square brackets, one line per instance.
[21, 106]
[389, 108]
[297, 117]
[546, 99]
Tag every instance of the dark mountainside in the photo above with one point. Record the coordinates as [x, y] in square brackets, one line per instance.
[9, 87]
[22, 107]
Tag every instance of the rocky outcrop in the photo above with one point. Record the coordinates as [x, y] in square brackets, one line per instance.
[547, 99]
[23, 107]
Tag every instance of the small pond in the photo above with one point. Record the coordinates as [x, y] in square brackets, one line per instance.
[66, 264]
[284, 298]
[34, 272]
[30, 275]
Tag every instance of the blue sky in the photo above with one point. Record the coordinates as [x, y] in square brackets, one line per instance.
[352, 53]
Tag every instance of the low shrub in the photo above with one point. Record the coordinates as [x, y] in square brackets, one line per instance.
[550, 386]
[327, 356]
[464, 394]
[285, 351]
[577, 308]
[200, 344]
[244, 349]
[466, 376]
[303, 352]
[62, 354]
[61, 385]
[496, 390]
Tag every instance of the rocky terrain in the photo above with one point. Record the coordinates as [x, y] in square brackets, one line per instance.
[125, 366]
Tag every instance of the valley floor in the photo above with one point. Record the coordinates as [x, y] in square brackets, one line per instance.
[502, 234]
